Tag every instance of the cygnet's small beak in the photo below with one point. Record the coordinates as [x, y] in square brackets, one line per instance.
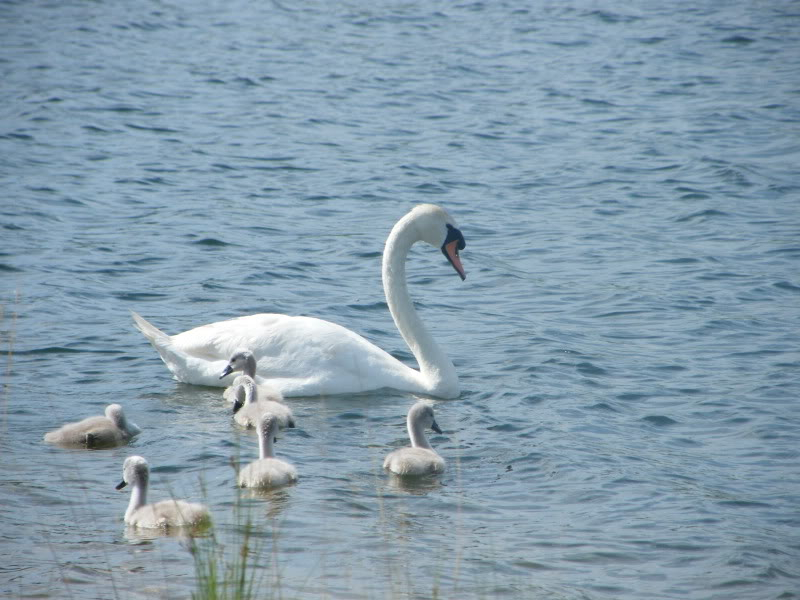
[228, 370]
[435, 427]
[121, 484]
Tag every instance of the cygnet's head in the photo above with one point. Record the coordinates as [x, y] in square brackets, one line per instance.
[435, 226]
[240, 361]
[115, 414]
[135, 471]
[422, 413]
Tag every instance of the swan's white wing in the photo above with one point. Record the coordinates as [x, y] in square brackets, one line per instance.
[296, 355]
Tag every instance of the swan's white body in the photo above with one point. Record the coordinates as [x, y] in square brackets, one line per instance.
[420, 458]
[249, 407]
[113, 429]
[159, 515]
[305, 356]
[267, 471]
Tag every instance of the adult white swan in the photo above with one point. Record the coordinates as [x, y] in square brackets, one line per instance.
[305, 356]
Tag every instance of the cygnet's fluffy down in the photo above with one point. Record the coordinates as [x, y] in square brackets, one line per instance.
[159, 515]
[249, 406]
[267, 471]
[420, 458]
[109, 431]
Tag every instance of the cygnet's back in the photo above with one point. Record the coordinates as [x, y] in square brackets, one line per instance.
[159, 515]
[420, 458]
[249, 406]
[267, 471]
[107, 431]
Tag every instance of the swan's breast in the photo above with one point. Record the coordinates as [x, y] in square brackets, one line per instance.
[169, 513]
[414, 461]
[267, 472]
[250, 414]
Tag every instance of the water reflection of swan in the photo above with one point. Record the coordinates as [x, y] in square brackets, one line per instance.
[275, 500]
[303, 356]
[416, 486]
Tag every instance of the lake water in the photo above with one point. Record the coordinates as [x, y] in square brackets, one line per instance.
[626, 178]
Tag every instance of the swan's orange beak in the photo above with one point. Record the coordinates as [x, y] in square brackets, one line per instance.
[450, 250]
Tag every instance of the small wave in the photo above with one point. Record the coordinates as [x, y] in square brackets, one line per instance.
[785, 285]
[587, 368]
[135, 296]
[603, 406]
[150, 128]
[211, 242]
[702, 215]
[659, 420]
[62, 350]
[679, 261]
[739, 40]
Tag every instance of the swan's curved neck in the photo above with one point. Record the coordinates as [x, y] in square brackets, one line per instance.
[417, 433]
[138, 497]
[250, 366]
[437, 372]
[250, 393]
[265, 449]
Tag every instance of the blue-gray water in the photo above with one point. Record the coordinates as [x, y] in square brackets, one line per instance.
[626, 177]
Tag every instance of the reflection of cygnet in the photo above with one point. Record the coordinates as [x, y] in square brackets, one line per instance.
[267, 471]
[164, 514]
[420, 458]
[96, 432]
[244, 361]
[248, 407]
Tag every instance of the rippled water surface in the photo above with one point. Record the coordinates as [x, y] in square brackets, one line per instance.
[625, 175]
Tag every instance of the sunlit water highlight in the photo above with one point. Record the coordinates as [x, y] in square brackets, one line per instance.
[626, 179]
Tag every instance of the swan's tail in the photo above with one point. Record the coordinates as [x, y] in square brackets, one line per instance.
[175, 360]
[150, 331]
